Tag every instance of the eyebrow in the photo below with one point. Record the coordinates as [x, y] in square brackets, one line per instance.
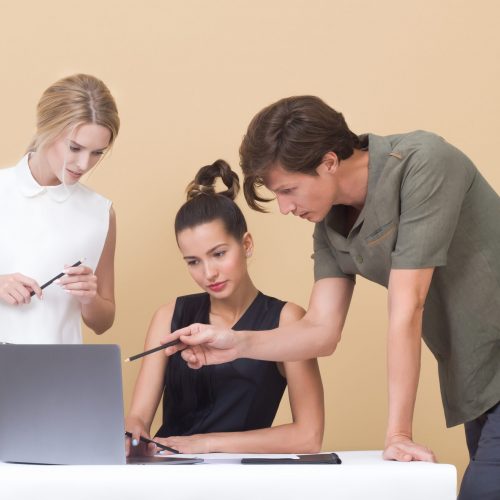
[279, 188]
[209, 251]
[74, 143]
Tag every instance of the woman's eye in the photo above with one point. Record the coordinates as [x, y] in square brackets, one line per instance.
[220, 253]
[74, 149]
[191, 262]
[98, 153]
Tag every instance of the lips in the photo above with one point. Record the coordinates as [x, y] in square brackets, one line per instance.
[74, 174]
[217, 287]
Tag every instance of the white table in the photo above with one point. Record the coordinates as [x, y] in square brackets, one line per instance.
[363, 475]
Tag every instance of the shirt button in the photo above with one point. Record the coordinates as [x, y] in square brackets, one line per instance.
[359, 259]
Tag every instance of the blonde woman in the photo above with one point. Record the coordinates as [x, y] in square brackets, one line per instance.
[49, 221]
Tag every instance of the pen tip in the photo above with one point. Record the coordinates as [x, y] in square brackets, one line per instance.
[126, 360]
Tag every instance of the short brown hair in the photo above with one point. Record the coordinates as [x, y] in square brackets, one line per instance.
[294, 132]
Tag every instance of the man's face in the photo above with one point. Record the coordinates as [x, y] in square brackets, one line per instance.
[307, 196]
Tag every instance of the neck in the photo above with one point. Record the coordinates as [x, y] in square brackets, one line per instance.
[40, 170]
[353, 179]
[229, 310]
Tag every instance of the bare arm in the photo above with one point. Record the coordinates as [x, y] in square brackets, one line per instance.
[408, 290]
[316, 334]
[150, 381]
[303, 435]
[99, 312]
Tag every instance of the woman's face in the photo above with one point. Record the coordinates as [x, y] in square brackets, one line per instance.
[74, 153]
[216, 260]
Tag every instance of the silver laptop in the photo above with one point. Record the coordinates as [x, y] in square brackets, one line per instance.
[63, 404]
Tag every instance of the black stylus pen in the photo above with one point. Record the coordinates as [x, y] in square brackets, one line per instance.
[146, 440]
[151, 351]
[60, 275]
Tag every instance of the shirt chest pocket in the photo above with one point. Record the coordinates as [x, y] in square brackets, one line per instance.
[384, 232]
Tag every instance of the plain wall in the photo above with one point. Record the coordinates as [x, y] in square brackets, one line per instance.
[189, 75]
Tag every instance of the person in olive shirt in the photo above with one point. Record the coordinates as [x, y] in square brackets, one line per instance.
[412, 213]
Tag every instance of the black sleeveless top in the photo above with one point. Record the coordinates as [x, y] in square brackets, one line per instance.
[237, 396]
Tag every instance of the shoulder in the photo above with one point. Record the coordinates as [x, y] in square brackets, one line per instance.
[90, 195]
[164, 313]
[421, 147]
[167, 310]
[425, 157]
[194, 299]
[290, 313]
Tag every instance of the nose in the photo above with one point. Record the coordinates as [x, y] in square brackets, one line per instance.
[211, 271]
[83, 162]
[285, 206]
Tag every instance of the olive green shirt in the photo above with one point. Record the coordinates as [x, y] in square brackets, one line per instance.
[428, 206]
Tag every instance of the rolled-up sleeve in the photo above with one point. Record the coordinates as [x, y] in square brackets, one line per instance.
[325, 263]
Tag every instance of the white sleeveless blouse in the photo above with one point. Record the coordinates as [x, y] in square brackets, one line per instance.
[43, 228]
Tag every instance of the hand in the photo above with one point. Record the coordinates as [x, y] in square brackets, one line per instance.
[403, 449]
[134, 446]
[197, 443]
[204, 345]
[81, 282]
[15, 289]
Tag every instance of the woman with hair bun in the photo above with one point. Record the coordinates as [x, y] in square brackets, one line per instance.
[228, 407]
[50, 221]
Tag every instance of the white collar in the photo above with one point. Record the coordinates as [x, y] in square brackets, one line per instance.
[30, 188]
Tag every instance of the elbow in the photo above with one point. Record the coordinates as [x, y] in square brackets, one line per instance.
[100, 331]
[329, 344]
[311, 442]
[102, 326]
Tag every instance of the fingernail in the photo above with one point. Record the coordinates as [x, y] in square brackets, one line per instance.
[135, 442]
[57, 282]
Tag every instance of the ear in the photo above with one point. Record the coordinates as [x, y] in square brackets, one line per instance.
[247, 242]
[330, 162]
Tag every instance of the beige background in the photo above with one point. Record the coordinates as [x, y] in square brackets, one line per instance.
[188, 76]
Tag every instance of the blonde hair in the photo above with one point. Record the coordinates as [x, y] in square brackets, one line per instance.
[72, 101]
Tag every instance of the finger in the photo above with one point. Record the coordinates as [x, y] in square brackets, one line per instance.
[24, 283]
[127, 446]
[417, 452]
[18, 294]
[193, 329]
[79, 278]
[191, 359]
[77, 270]
[8, 299]
[169, 351]
[395, 453]
[80, 285]
[203, 337]
[25, 280]
[424, 455]
[172, 337]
